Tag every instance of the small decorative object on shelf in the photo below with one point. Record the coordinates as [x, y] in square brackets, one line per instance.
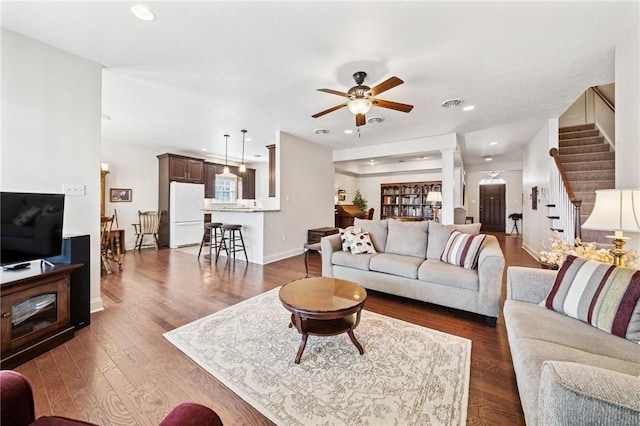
[515, 217]
[555, 256]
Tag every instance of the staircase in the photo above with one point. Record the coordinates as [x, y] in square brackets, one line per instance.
[589, 163]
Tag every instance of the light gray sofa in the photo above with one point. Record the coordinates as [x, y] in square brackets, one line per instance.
[568, 372]
[408, 264]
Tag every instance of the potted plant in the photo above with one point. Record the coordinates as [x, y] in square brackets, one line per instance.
[360, 202]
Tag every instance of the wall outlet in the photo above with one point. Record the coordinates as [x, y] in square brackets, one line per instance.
[73, 189]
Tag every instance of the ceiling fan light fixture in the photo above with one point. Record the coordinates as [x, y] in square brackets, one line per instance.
[359, 106]
[452, 103]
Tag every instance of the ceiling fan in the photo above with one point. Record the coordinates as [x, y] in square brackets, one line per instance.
[362, 98]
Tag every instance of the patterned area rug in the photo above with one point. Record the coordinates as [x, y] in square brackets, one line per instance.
[407, 375]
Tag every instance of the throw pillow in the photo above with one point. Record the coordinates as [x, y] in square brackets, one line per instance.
[346, 235]
[377, 230]
[26, 217]
[605, 296]
[439, 235]
[463, 249]
[361, 243]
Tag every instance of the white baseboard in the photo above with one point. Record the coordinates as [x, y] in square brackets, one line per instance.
[96, 305]
[530, 251]
[283, 255]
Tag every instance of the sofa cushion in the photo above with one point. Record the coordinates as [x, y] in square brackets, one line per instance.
[377, 230]
[396, 264]
[603, 295]
[463, 249]
[531, 321]
[361, 243]
[408, 238]
[435, 271]
[344, 258]
[439, 235]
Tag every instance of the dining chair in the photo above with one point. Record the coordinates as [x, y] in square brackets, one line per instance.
[148, 224]
[106, 223]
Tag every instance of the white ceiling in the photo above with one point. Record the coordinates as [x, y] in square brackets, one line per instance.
[203, 69]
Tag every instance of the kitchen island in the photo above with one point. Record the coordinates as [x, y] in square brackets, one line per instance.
[255, 223]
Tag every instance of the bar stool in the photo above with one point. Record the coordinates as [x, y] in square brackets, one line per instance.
[234, 236]
[212, 229]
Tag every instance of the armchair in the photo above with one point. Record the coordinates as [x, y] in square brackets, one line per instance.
[17, 408]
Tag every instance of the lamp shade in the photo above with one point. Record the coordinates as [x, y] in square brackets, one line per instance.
[359, 106]
[434, 196]
[615, 210]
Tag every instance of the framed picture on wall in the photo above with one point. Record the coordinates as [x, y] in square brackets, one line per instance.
[118, 195]
[534, 198]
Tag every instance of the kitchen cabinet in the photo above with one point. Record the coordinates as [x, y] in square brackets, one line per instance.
[185, 169]
[210, 172]
[249, 184]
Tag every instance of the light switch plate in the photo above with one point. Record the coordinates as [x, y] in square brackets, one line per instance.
[73, 189]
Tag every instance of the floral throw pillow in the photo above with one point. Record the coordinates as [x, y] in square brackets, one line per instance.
[346, 235]
[361, 243]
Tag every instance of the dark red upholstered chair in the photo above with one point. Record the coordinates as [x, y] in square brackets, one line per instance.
[17, 408]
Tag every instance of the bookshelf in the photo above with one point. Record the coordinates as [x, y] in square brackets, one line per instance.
[408, 200]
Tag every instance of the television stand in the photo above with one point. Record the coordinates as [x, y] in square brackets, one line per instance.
[35, 311]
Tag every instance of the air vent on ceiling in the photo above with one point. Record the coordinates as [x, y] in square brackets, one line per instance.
[375, 120]
[320, 131]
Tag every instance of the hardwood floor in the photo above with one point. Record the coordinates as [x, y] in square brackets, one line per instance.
[121, 371]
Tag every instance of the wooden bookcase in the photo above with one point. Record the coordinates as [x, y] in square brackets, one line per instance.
[407, 200]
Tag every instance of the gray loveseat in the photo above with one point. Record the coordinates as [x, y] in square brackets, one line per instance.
[407, 264]
[568, 371]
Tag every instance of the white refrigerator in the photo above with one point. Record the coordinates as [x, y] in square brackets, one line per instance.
[186, 218]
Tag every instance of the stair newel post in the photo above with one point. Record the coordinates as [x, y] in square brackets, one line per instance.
[576, 219]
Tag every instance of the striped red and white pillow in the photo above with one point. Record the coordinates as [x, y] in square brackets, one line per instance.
[603, 295]
[463, 249]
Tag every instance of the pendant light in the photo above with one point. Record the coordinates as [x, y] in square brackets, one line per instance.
[243, 168]
[226, 158]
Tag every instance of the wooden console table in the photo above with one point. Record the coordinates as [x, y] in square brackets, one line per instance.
[35, 305]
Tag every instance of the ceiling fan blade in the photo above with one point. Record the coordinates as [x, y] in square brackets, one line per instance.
[334, 92]
[327, 111]
[361, 120]
[389, 83]
[392, 105]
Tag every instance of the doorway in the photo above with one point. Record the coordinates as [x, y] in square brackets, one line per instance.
[492, 207]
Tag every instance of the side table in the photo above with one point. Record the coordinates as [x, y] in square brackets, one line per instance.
[317, 247]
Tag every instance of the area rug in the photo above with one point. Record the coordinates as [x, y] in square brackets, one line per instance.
[408, 375]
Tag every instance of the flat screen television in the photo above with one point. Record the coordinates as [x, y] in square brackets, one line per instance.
[31, 226]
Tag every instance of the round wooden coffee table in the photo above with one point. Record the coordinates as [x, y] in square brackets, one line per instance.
[323, 307]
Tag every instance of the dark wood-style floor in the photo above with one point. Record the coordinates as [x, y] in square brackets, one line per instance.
[121, 371]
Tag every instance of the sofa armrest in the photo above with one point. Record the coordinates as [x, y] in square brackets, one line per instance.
[490, 268]
[529, 284]
[579, 394]
[329, 245]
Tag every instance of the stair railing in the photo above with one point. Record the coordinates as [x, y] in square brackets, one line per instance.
[568, 205]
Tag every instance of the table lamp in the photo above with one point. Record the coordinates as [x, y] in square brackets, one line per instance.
[434, 197]
[616, 210]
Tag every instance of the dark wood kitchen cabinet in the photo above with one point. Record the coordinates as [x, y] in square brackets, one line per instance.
[249, 184]
[184, 169]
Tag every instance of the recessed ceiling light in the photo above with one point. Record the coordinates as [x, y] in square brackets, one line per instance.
[320, 131]
[375, 120]
[248, 139]
[452, 103]
[257, 155]
[488, 158]
[424, 157]
[372, 162]
[469, 108]
[493, 143]
[204, 149]
[142, 13]
[348, 131]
